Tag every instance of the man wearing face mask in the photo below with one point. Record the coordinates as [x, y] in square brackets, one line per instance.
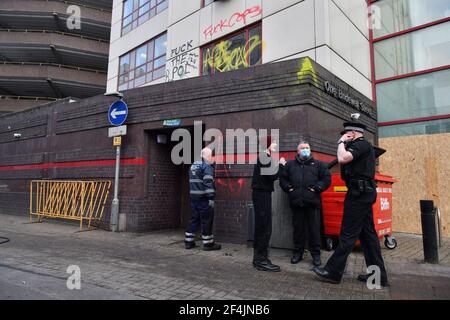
[262, 188]
[304, 179]
[357, 158]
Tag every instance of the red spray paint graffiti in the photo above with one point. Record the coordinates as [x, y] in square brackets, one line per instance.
[237, 17]
[235, 185]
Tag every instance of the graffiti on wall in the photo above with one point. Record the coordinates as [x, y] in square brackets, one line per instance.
[224, 58]
[183, 62]
[232, 185]
[236, 18]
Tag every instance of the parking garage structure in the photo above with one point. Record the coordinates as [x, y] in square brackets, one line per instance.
[46, 56]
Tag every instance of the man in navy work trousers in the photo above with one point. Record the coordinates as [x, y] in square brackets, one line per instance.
[202, 191]
[357, 158]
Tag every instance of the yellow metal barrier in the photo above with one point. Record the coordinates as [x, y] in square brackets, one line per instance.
[73, 200]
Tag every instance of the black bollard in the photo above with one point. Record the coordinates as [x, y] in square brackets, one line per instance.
[429, 231]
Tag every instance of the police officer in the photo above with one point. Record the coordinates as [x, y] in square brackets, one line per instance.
[304, 178]
[357, 158]
[202, 191]
[262, 188]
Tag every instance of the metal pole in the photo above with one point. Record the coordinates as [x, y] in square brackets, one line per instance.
[115, 203]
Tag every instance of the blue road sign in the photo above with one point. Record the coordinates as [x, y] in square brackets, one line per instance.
[118, 113]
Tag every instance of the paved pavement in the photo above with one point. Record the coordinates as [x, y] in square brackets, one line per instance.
[33, 265]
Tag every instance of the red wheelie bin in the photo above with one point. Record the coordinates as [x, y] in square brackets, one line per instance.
[333, 210]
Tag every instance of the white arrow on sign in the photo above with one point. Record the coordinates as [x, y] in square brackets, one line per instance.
[116, 113]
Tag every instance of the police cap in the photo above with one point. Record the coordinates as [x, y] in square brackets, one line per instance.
[353, 126]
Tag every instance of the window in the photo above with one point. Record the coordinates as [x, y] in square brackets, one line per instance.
[414, 97]
[144, 64]
[399, 15]
[207, 2]
[240, 50]
[419, 50]
[416, 128]
[136, 12]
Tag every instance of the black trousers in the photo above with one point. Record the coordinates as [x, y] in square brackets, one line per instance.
[357, 223]
[306, 219]
[202, 215]
[262, 204]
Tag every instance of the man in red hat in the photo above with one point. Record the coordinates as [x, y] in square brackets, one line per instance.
[357, 158]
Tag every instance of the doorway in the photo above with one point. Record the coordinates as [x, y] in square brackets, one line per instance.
[168, 183]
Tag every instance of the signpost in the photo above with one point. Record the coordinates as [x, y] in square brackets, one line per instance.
[117, 114]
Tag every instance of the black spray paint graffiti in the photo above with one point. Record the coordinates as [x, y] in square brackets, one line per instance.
[182, 62]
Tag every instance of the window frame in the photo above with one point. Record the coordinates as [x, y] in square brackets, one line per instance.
[148, 61]
[203, 5]
[213, 43]
[122, 33]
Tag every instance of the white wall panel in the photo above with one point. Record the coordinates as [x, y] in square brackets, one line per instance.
[179, 9]
[273, 6]
[289, 32]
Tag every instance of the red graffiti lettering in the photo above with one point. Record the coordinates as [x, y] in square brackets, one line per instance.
[237, 17]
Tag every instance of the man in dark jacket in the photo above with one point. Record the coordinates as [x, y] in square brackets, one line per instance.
[202, 190]
[262, 186]
[304, 179]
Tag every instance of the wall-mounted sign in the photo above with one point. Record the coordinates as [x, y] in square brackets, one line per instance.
[172, 123]
[346, 97]
[118, 113]
[117, 141]
[117, 131]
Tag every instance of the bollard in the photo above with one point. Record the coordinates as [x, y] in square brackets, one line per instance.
[429, 231]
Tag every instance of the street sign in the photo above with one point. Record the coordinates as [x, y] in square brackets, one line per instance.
[172, 122]
[118, 113]
[117, 131]
[117, 141]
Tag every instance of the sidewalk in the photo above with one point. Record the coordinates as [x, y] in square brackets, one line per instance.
[156, 266]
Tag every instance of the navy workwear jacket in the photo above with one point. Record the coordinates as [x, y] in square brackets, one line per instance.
[201, 180]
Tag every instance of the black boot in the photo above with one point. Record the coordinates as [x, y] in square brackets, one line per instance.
[262, 263]
[365, 277]
[189, 244]
[326, 276]
[296, 257]
[211, 246]
[316, 261]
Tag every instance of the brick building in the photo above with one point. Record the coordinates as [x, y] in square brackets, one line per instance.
[69, 140]
[237, 64]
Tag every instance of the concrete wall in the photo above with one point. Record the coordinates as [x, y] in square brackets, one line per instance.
[333, 33]
[421, 164]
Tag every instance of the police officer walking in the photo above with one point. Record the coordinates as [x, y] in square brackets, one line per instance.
[202, 191]
[304, 178]
[262, 187]
[357, 158]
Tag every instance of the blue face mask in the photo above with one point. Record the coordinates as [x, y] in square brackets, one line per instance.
[305, 153]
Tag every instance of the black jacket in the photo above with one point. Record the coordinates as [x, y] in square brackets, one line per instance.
[263, 182]
[301, 175]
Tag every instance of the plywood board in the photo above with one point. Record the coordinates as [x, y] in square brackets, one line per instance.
[421, 164]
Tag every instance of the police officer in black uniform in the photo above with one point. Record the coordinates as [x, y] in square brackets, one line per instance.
[357, 158]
